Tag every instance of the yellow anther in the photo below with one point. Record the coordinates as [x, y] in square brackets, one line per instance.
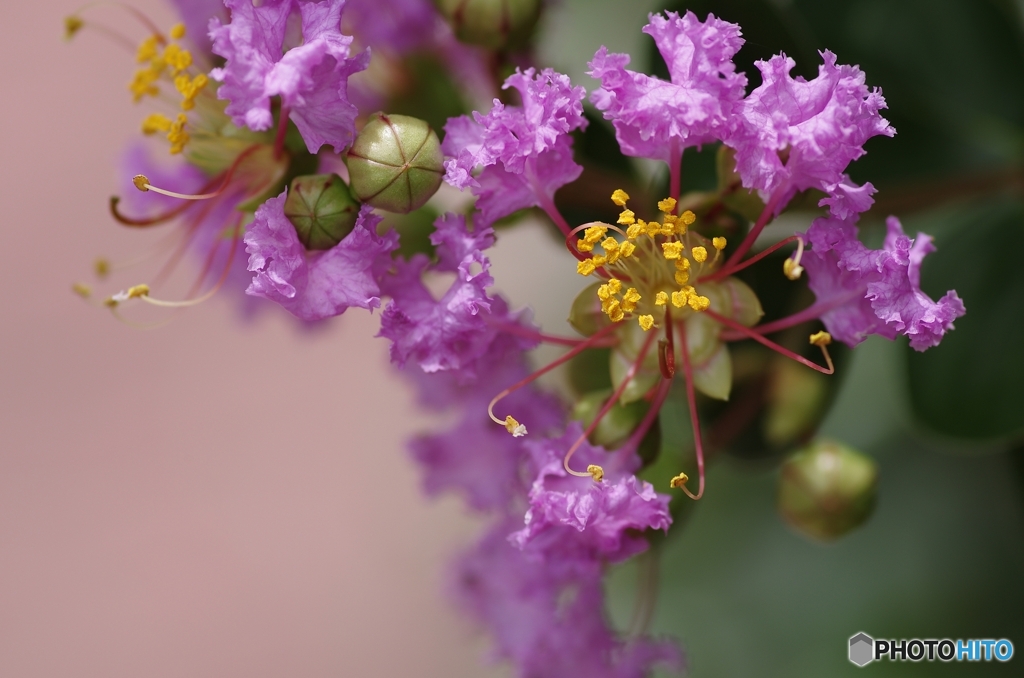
[629, 300]
[700, 254]
[604, 293]
[660, 299]
[615, 285]
[791, 269]
[514, 427]
[600, 260]
[668, 228]
[719, 243]
[646, 322]
[178, 136]
[596, 472]
[72, 25]
[593, 234]
[585, 267]
[82, 290]
[679, 298]
[130, 293]
[634, 231]
[698, 303]
[683, 264]
[101, 267]
[143, 83]
[668, 205]
[610, 245]
[584, 246]
[687, 217]
[627, 218]
[177, 31]
[821, 338]
[678, 481]
[626, 249]
[190, 88]
[177, 58]
[148, 50]
[615, 311]
[141, 182]
[653, 228]
[156, 122]
[672, 250]
[619, 197]
[682, 277]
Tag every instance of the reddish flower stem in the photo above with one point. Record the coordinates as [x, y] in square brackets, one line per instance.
[282, 129]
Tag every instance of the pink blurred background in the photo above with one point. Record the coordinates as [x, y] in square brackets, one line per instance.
[211, 498]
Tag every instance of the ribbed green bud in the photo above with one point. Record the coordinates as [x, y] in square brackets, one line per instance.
[321, 209]
[396, 163]
[491, 23]
[827, 489]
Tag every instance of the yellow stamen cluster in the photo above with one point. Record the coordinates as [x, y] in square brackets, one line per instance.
[160, 58]
[613, 249]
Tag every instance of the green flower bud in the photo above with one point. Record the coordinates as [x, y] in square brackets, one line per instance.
[396, 163]
[321, 209]
[491, 23]
[616, 426]
[827, 489]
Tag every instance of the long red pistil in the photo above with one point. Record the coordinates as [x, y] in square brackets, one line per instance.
[748, 242]
[614, 398]
[691, 399]
[756, 336]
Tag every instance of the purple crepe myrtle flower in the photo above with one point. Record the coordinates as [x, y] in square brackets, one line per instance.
[321, 284]
[658, 119]
[548, 616]
[796, 134]
[524, 151]
[475, 458]
[450, 333]
[602, 517]
[309, 72]
[875, 291]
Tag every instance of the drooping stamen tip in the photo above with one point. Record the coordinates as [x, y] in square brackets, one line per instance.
[596, 472]
[124, 295]
[72, 25]
[719, 243]
[514, 427]
[821, 339]
[101, 267]
[620, 197]
[82, 290]
[679, 481]
[141, 182]
[792, 269]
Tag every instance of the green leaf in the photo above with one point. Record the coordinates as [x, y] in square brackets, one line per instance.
[972, 384]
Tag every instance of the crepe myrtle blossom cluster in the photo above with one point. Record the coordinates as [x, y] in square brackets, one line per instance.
[276, 151]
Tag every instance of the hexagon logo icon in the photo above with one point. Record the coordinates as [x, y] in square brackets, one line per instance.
[862, 649]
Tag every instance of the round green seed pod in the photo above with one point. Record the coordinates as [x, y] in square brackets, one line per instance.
[491, 23]
[321, 209]
[827, 489]
[396, 163]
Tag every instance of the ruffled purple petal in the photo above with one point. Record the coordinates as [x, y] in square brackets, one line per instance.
[316, 285]
[196, 15]
[796, 134]
[311, 78]
[600, 517]
[875, 291]
[652, 116]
